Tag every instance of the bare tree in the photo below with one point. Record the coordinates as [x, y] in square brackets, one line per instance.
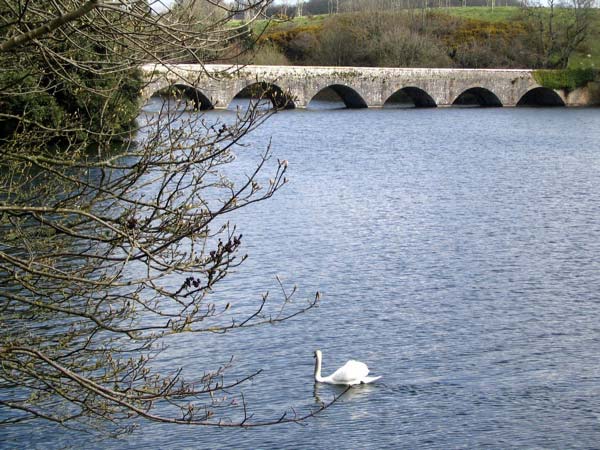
[561, 28]
[114, 237]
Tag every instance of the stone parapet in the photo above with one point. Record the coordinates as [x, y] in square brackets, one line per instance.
[365, 86]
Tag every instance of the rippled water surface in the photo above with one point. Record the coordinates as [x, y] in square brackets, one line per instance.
[458, 253]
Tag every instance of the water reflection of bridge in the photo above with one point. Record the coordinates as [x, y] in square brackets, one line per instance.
[295, 86]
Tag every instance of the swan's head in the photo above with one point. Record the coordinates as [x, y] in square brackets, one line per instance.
[318, 354]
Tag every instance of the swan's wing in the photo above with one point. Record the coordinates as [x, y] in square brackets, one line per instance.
[367, 380]
[350, 373]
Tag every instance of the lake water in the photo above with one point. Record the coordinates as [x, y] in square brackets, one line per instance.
[458, 254]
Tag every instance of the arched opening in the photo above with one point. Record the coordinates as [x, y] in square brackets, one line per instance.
[262, 95]
[541, 96]
[410, 97]
[477, 97]
[182, 96]
[337, 96]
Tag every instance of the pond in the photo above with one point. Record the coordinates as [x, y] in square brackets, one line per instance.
[457, 251]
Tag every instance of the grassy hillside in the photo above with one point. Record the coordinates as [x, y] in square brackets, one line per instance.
[587, 57]
[503, 18]
[498, 14]
[590, 57]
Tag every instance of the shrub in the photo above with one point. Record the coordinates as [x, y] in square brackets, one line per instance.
[267, 53]
[568, 79]
[297, 44]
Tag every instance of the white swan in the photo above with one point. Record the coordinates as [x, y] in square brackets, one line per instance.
[351, 373]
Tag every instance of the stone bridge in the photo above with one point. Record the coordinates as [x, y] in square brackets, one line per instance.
[215, 86]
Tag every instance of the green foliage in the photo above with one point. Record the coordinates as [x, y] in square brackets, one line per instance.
[37, 92]
[38, 105]
[566, 79]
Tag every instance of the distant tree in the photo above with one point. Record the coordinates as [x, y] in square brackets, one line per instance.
[316, 7]
[113, 237]
[560, 28]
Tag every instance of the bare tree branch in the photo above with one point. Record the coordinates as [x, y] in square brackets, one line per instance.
[116, 233]
[49, 27]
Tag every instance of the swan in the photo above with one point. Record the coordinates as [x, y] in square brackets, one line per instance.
[351, 373]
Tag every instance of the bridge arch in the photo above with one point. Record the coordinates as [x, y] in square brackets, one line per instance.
[477, 96]
[541, 96]
[184, 93]
[346, 94]
[263, 90]
[417, 96]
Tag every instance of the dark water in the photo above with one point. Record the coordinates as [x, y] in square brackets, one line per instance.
[458, 253]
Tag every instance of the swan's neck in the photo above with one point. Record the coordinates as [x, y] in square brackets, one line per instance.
[318, 376]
